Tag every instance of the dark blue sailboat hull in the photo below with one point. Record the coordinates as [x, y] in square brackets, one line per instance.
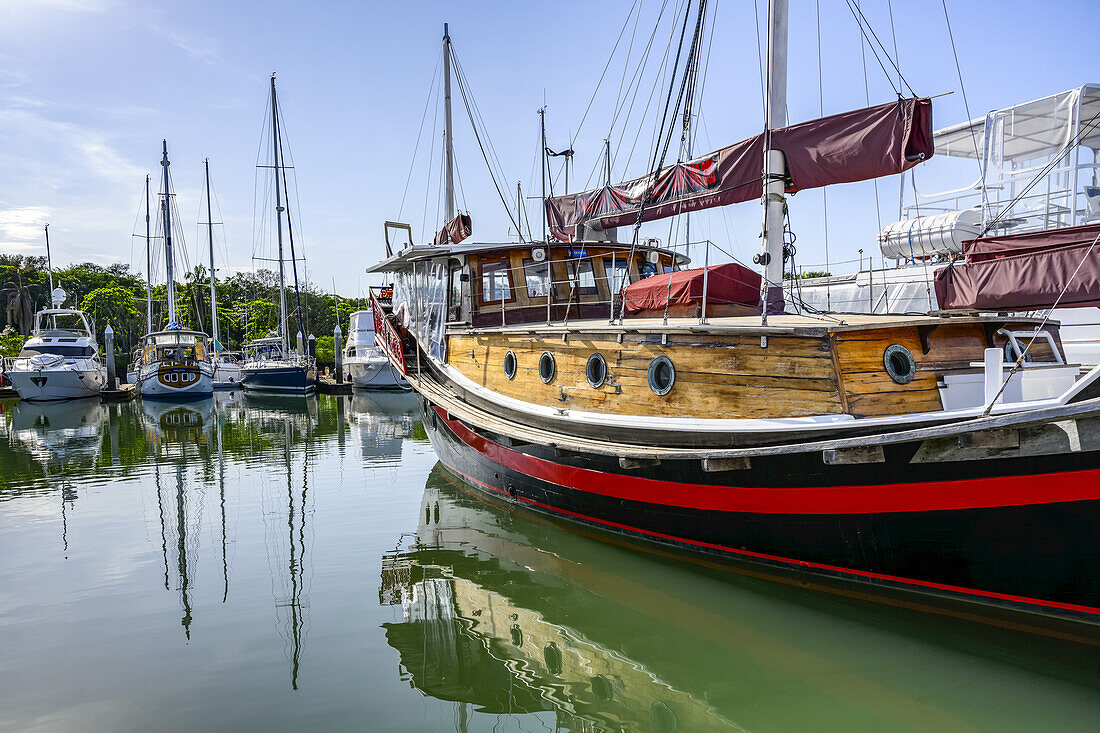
[284, 380]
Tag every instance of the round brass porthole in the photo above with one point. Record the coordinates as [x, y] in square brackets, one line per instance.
[510, 364]
[661, 375]
[547, 367]
[595, 371]
[899, 364]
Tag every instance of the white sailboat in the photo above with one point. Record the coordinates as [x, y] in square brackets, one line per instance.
[60, 361]
[227, 370]
[174, 363]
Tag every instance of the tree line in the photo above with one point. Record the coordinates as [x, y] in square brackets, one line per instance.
[247, 304]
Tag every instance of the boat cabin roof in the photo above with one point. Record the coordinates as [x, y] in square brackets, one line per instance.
[403, 260]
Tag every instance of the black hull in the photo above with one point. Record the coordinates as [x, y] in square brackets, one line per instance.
[1018, 533]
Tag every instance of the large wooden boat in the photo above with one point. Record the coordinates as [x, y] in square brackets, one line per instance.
[897, 450]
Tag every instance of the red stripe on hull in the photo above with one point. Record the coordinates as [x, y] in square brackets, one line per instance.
[877, 498]
[791, 562]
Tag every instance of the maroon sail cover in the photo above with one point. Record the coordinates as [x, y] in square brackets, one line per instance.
[851, 146]
[455, 230]
[1024, 271]
[730, 284]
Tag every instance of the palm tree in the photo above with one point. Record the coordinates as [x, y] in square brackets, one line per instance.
[18, 301]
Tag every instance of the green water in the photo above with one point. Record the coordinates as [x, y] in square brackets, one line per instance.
[288, 564]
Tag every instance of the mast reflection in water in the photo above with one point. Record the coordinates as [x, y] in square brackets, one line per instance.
[219, 565]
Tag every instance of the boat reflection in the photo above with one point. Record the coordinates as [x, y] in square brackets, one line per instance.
[381, 421]
[57, 432]
[511, 613]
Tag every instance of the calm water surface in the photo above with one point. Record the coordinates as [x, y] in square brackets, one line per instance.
[290, 564]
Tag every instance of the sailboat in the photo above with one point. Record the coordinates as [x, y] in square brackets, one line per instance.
[895, 450]
[270, 365]
[227, 371]
[60, 360]
[174, 362]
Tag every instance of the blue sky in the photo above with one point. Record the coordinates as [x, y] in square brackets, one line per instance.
[88, 88]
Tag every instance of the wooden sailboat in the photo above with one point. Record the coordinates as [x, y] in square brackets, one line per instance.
[174, 363]
[270, 363]
[893, 450]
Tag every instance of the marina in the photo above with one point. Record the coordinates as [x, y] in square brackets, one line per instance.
[779, 410]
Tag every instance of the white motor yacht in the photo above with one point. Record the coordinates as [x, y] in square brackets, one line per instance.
[60, 361]
[366, 365]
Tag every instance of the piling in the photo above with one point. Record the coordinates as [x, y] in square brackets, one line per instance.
[338, 351]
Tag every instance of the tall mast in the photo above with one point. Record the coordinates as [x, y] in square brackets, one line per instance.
[148, 265]
[49, 261]
[166, 207]
[210, 234]
[448, 138]
[278, 215]
[775, 166]
[542, 156]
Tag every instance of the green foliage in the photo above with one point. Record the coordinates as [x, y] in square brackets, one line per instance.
[247, 301]
[11, 342]
[806, 275]
[326, 350]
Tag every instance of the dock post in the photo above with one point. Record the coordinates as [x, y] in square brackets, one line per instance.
[109, 337]
[338, 352]
[311, 343]
[301, 344]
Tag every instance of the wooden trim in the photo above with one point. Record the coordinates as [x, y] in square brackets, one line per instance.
[841, 389]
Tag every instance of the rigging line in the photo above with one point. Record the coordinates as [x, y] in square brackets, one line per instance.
[894, 35]
[636, 84]
[867, 97]
[1084, 130]
[824, 194]
[423, 119]
[464, 82]
[276, 113]
[659, 161]
[886, 53]
[760, 58]
[602, 74]
[477, 136]
[962, 88]
[431, 158]
[626, 63]
[645, 112]
[857, 14]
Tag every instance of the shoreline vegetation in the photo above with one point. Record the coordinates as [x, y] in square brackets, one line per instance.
[247, 304]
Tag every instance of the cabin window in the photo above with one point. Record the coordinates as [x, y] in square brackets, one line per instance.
[72, 351]
[537, 275]
[616, 269]
[899, 364]
[495, 285]
[595, 371]
[547, 367]
[584, 281]
[661, 375]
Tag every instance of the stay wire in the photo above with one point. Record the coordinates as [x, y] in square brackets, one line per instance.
[962, 88]
[477, 136]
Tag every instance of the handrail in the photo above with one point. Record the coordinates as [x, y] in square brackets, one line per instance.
[391, 341]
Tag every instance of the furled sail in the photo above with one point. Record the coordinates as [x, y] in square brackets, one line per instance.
[851, 146]
[1024, 271]
[455, 230]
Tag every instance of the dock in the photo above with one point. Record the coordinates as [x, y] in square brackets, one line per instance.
[124, 393]
[326, 385]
